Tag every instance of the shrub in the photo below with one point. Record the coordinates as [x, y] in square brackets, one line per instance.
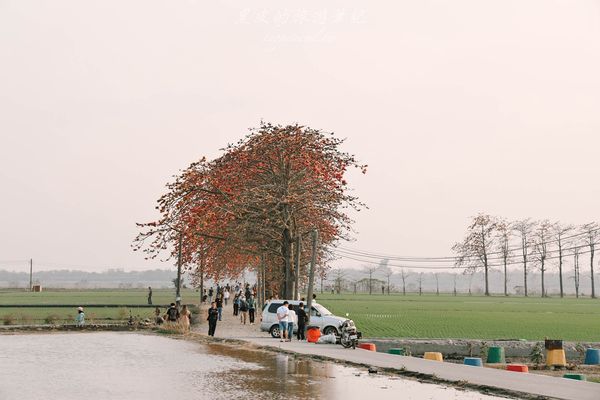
[122, 313]
[537, 354]
[8, 319]
[25, 319]
[52, 319]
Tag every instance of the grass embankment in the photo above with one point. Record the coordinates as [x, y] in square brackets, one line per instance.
[469, 317]
[44, 314]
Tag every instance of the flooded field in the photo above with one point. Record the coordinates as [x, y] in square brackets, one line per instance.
[101, 366]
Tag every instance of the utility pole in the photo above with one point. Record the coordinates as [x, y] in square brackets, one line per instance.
[30, 274]
[311, 274]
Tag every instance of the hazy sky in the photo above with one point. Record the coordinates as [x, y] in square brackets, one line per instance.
[457, 106]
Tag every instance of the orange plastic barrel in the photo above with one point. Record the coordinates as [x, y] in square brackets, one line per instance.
[368, 346]
[517, 368]
[313, 333]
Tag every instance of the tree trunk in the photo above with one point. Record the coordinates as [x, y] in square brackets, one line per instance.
[505, 278]
[286, 251]
[298, 248]
[201, 275]
[543, 286]
[592, 271]
[560, 271]
[576, 278]
[525, 275]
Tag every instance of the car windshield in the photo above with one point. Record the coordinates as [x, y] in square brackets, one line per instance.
[321, 310]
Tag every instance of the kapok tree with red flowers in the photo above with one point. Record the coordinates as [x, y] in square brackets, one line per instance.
[258, 201]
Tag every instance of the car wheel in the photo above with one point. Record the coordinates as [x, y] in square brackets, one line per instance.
[330, 330]
[274, 331]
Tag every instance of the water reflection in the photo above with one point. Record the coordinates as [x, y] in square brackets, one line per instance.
[133, 366]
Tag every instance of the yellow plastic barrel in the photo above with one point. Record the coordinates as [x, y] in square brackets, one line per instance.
[433, 355]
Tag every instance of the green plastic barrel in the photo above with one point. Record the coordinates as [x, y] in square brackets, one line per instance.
[578, 377]
[496, 355]
[398, 351]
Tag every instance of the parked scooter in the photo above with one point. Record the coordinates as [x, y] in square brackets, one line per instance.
[348, 334]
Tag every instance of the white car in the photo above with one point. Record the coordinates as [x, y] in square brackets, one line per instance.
[319, 316]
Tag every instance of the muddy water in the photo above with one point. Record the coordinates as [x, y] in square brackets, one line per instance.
[102, 366]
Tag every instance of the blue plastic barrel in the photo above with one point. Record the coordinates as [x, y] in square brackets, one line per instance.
[592, 357]
[473, 361]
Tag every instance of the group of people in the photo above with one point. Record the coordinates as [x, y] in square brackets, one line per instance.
[288, 318]
[174, 316]
[244, 304]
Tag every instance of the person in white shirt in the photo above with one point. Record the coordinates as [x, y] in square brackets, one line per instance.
[292, 319]
[282, 317]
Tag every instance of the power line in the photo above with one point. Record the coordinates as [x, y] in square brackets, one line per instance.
[454, 258]
[408, 266]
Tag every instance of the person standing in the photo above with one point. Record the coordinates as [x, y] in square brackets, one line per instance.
[291, 322]
[213, 316]
[302, 318]
[243, 310]
[184, 318]
[226, 295]
[236, 304]
[149, 295]
[219, 303]
[251, 309]
[80, 318]
[210, 294]
[282, 317]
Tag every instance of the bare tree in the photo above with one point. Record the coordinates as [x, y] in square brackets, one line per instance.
[524, 228]
[474, 250]
[437, 284]
[370, 269]
[387, 272]
[455, 278]
[471, 275]
[560, 231]
[540, 248]
[403, 275]
[504, 234]
[591, 231]
[576, 270]
[338, 275]
[420, 280]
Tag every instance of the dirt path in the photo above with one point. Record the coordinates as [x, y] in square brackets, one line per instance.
[230, 327]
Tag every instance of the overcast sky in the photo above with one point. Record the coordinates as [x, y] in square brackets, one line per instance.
[458, 107]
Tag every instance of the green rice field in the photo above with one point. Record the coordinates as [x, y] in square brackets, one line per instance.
[469, 317]
[44, 314]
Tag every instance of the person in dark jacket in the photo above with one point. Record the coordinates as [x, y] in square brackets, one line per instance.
[302, 319]
[236, 304]
[172, 314]
[213, 316]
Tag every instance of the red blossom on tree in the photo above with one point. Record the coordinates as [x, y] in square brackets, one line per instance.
[251, 206]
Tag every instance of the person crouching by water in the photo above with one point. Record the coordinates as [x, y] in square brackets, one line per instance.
[80, 318]
[157, 317]
[213, 316]
[184, 318]
[172, 314]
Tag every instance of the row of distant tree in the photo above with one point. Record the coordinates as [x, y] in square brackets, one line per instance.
[492, 242]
